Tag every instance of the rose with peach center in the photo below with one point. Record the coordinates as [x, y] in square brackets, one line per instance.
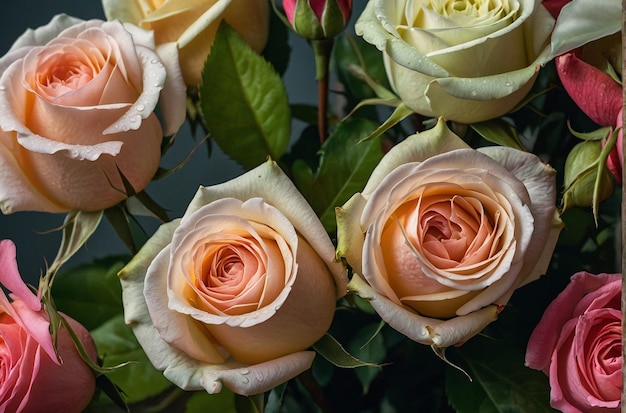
[443, 234]
[238, 289]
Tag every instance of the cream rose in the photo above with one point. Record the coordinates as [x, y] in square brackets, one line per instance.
[237, 290]
[193, 24]
[76, 109]
[467, 61]
[443, 234]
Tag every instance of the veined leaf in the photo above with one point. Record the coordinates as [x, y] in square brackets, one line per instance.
[334, 352]
[91, 294]
[501, 382]
[243, 101]
[345, 165]
[499, 132]
[117, 344]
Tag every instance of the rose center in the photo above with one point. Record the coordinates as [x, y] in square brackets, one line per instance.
[60, 75]
[470, 8]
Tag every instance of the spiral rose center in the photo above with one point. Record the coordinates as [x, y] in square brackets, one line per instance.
[237, 273]
[462, 9]
[68, 69]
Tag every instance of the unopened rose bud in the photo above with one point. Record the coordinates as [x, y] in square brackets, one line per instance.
[580, 179]
[318, 19]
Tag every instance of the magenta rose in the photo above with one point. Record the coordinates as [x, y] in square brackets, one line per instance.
[578, 344]
[32, 378]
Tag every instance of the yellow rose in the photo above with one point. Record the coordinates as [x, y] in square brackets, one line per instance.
[467, 61]
[238, 289]
[443, 234]
[192, 24]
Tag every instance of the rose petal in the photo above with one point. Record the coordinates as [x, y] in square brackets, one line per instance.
[595, 92]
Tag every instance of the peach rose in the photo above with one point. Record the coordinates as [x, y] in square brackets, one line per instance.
[76, 109]
[193, 24]
[237, 290]
[32, 378]
[578, 344]
[443, 234]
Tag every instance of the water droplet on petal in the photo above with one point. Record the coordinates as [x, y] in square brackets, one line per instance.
[474, 93]
[154, 61]
[507, 84]
[244, 371]
[140, 108]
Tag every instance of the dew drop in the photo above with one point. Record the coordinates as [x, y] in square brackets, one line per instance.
[474, 93]
[140, 108]
[507, 84]
[154, 61]
[244, 371]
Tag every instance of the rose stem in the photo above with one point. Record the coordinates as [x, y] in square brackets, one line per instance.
[322, 50]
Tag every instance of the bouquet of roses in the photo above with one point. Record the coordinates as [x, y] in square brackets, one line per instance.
[439, 231]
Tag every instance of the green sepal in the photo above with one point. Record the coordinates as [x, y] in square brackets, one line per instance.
[329, 348]
[500, 132]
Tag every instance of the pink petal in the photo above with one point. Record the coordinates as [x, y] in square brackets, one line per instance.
[595, 92]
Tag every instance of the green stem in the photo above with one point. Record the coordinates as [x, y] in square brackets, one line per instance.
[322, 50]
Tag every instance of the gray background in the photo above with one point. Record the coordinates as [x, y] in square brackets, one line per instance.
[173, 193]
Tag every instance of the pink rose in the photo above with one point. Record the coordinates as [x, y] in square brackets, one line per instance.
[578, 344]
[32, 379]
[76, 109]
[598, 95]
[442, 234]
[237, 290]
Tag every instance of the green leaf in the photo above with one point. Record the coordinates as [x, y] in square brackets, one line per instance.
[501, 382]
[202, 402]
[368, 344]
[344, 167]
[90, 293]
[77, 228]
[596, 135]
[117, 344]
[243, 101]
[359, 67]
[334, 352]
[499, 132]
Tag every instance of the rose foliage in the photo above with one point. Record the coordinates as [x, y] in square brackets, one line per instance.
[403, 239]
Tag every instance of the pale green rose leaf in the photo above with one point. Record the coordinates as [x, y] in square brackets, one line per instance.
[583, 21]
[256, 122]
[350, 236]
[77, 227]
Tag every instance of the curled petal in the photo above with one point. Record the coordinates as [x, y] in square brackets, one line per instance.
[595, 92]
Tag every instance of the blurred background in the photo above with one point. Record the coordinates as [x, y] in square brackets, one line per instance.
[33, 233]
